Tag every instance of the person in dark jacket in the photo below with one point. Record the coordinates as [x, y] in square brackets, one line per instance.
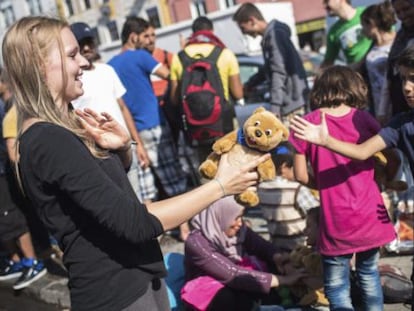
[283, 65]
[226, 262]
[404, 9]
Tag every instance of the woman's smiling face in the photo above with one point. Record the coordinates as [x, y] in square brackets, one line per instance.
[63, 69]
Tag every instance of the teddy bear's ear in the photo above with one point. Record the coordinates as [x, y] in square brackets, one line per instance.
[258, 110]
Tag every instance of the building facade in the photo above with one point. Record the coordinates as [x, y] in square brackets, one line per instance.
[106, 16]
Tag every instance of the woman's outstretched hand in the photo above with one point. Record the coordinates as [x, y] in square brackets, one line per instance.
[315, 134]
[104, 129]
[237, 179]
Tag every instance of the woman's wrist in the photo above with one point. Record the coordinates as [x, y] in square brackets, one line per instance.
[223, 191]
[127, 146]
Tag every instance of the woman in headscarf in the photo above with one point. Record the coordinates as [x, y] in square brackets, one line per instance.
[225, 261]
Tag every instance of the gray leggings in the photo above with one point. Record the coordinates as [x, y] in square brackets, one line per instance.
[154, 299]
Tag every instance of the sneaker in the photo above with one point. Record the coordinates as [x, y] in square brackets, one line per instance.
[30, 274]
[11, 270]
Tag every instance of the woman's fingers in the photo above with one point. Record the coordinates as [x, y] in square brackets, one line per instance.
[107, 116]
[93, 118]
[87, 117]
[92, 113]
[253, 164]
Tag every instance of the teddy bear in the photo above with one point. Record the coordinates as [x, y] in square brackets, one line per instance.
[386, 165]
[261, 133]
[311, 291]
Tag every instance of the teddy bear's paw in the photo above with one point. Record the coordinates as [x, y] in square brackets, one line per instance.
[222, 146]
[248, 198]
[266, 170]
[208, 169]
[266, 175]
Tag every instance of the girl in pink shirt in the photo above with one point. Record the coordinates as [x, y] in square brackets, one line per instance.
[353, 217]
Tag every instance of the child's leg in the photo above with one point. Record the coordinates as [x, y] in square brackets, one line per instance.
[336, 281]
[12, 249]
[369, 279]
[26, 245]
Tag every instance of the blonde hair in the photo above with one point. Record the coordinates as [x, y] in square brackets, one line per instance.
[25, 49]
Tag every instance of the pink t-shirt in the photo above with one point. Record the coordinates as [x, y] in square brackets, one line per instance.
[353, 217]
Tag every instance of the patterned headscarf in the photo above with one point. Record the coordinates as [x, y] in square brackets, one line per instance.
[217, 218]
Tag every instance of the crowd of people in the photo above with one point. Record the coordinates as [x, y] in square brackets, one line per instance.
[88, 158]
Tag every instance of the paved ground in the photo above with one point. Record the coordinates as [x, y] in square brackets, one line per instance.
[52, 289]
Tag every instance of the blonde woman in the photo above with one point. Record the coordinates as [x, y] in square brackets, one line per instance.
[70, 169]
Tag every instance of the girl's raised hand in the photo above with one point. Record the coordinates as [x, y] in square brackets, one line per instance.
[315, 134]
[104, 129]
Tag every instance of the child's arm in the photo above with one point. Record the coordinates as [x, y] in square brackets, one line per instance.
[300, 169]
[319, 135]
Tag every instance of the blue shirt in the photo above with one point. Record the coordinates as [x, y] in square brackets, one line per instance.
[134, 68]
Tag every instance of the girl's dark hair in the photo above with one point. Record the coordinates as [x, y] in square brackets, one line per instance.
[382, 15]
[406, 58]
[338, 85]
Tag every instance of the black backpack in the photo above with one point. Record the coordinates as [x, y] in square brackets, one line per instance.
[205, 113]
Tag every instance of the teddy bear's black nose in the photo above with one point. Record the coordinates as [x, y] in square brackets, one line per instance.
[258, 133]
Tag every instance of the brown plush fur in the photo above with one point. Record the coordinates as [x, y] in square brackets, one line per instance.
[263, 131]
[304, 257]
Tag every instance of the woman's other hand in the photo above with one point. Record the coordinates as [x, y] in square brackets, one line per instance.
[104, 129]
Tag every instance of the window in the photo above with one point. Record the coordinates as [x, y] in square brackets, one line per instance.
[34, 6]
[153, 17]
[198, 8]
[113, 30]
[84, 5]
[69, 7]
[7, 14]
[247, 71]
[87, 4]
[224, 4]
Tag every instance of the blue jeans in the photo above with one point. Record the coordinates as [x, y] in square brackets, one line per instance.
[336, 272]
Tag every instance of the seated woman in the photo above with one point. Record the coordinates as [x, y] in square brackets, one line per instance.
[224, 261]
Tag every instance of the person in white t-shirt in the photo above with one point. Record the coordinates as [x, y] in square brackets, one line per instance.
[103, 91]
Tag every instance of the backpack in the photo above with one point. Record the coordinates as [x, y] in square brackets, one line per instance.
[204, 110]
[396, 286]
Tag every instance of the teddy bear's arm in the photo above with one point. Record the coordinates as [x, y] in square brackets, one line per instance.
[225, 143]
[266, 170]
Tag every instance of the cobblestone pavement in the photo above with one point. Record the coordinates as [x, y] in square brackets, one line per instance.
[52, 289]
[404, 262]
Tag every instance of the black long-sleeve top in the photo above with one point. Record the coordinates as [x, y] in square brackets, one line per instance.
[108, 237]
